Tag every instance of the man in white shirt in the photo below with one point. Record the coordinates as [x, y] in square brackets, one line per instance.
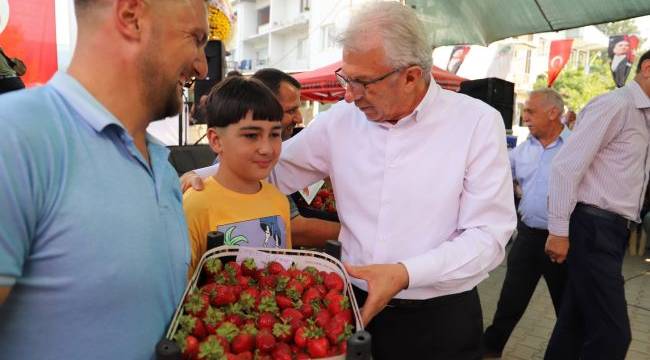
[423, 188]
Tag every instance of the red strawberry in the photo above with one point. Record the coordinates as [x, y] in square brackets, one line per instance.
[324, 193]
[267, 281]
[307, 310]
[300, 337]
[188, 344]
[223, 295]
[236, 319]
[322, 290]
[317, 202]
[275, 268]
[212, 319]
[317, 347]
[282, 281]
[193, 326]
[282, 351]
[333, 282]
[294, 289]
[302, 356]
[244, 281]
[323, 318]
[233, 269]
[305, 279]
[338, 303]
[242, 342]
[197, 304]
[293, 271]
[248, 267]
[266, 320]
[282, 332]
[246, 355]
[248, 298]
[267, 304]
[345, 316]
[343, 348]
[290, 314]
[211, 348]
[264, 341]
[283, 301]
[337, 331]
[331, 208]
[310, 295]
[209, 290]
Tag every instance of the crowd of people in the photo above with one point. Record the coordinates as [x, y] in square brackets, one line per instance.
[98, 236]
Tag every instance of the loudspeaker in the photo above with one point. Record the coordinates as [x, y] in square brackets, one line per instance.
[216, 56]
[498, 93]
[190, 157]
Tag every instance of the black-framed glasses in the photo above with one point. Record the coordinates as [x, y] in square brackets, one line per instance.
[360, 85]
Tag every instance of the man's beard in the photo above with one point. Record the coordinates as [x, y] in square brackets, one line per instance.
[160, 95]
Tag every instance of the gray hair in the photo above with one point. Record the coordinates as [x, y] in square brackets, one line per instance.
[405, 40]
[551, 97]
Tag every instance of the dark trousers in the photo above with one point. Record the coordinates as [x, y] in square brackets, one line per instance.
[11, 84]
[593, 321]
[446, 328]
[527, 262]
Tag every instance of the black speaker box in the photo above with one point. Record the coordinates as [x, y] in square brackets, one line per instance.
[216, 56]
[498, 93]
[186, 158]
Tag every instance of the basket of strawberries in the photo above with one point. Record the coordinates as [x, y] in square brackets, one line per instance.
[263, 303]
[322, 205]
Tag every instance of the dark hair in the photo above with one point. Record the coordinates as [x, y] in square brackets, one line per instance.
[274, 77]
[232, 73]
[644, 57]
[233, 98]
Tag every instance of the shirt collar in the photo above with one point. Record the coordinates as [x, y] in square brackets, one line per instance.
[641, 99]
[431, 94]
[560, 139]
[89, 109]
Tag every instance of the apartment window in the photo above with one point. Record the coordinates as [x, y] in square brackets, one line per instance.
[328, 37]
[262, 57]
[542, 46]
[528, 56]
[263, 15]
[305, 5]
[302, 48]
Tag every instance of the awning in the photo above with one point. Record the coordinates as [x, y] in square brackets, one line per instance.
[321, 85]
[484, 21]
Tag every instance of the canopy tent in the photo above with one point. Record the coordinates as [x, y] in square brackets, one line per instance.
[492, 20]
[321, 84]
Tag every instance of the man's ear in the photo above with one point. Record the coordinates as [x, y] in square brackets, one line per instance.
[413, 75]
[214, 139]
[129, 15]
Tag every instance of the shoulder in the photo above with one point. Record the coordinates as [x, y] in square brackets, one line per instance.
[269, 191]
[467, 109]
[196, 202]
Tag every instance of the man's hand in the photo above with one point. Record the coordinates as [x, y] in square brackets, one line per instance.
[191, 180]
[4, 293]
[557, 248]
[384, 282]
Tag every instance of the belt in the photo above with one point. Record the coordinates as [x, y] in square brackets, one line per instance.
[604, 214]
[361, 296]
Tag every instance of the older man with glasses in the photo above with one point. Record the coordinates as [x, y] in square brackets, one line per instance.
[423, 189]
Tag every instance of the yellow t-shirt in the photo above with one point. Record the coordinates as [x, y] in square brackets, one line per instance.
[259, 220]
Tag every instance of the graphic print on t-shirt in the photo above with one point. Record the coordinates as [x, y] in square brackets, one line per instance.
[261, 232]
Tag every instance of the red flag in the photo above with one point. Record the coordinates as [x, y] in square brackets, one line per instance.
[28, 32]
[557, 58]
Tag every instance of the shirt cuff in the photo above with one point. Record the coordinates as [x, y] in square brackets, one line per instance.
[419, 270]
[558, 227]
[7, 281]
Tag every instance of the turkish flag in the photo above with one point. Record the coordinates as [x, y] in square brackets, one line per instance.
[28, 32]
[557, 58]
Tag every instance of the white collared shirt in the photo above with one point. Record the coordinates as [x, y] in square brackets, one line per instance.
[433, 191]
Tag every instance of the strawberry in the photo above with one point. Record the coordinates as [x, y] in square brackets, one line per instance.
[307, 310]
[242, 342]
[324, 193]
[323, 318]
[211, 348]
[188, 344]
[317, 347]
[294, 289]
[283, 301]
[338, 303]
[282, 351]
[212, 319]
[233, 269]
[345, 316]
[300, 337]
[212, 267]
[246, 355]
[267, 304]
[268, 281]
[305, 279]
[343, 348]
[310, 295]
[281, 283]
[282, 332]
[266, 320]
[193, 326]
[228, 330]
[317, 202]
[302, 356]
[244, 281]
[264, 341]
[290, 314]
[322, 290]
[248, 267]
[275, 268]
[236, 319]
[333, 282]
[209, 290]
[293, 271]
[337, 331]
[197, 304]
[223, 295]
[248, 298]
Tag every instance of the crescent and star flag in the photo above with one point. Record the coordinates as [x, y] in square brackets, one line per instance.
[557, 58]
[28, 32]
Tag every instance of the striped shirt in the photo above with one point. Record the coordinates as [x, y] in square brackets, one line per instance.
[604, 162]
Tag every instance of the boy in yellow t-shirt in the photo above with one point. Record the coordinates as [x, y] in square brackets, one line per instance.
[244, 129]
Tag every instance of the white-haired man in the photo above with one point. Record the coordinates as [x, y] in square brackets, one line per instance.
[93, 243]
[423, 188]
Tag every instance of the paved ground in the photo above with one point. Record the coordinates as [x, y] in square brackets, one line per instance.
[529, 339]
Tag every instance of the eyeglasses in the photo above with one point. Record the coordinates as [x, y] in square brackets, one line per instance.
[360, 85]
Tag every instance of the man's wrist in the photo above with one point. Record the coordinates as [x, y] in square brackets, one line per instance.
[404, 284]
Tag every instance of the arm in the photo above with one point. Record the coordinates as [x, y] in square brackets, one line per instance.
[311, 232]
[4, 293]
[194, 179]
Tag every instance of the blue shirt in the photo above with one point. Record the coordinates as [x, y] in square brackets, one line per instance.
[531, 164]
[92, 239]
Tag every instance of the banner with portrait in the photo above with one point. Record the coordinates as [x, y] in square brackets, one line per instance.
[456, 58]
[621, 53]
